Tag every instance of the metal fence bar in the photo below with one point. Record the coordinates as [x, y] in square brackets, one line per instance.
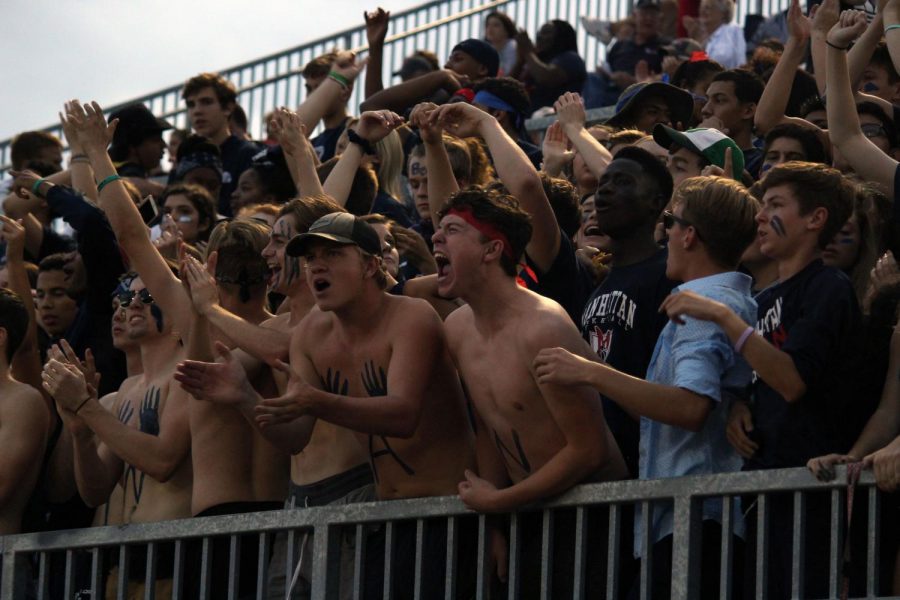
[68, 592]
[123, 571]
[482, 575]
[872, 545]
[512, 573]
[837, 527]
[42, 577]
[262, 564]
[727, 551]
[580, 547]
[205, 567]
[178, 570]
[762, 546]
[150, 575]
[96, 571]
[799, 545]
[686, 537]
[234, 567]
[547, 555]
[388, 560]
[612, 551]
[420, 543]
[450, 568]
[647, 556]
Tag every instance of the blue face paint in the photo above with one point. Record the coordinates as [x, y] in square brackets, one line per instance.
[777, 226]
[846, 240]
[157, 316]
[765, 168]
[870, 87]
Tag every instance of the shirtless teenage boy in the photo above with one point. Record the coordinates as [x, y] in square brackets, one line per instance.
[534, 441]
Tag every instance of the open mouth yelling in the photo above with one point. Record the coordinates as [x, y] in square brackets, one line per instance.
[443, 265]
[592, 230]
[320, 284]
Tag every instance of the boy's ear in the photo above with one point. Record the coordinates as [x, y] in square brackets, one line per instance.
[817, 218]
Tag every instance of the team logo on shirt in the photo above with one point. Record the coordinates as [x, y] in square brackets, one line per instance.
[601, 342]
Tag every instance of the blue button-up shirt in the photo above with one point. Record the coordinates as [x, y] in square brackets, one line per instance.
[696, 356]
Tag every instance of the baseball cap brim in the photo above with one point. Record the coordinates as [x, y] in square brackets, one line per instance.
[666, 136]
[299, 243]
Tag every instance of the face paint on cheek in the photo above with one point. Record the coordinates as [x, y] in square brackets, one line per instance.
[156, 312]
[777, 226]
[846, 240]
[765, 168]
[293, 268]
[418, 169]
[870, 87]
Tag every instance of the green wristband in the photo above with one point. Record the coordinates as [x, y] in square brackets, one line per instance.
[339, 78]
[106, 182]
[36, 186]
[890, 27]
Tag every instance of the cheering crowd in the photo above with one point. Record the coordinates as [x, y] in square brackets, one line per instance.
[430, 300]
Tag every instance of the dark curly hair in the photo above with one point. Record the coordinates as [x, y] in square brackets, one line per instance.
[501, 211]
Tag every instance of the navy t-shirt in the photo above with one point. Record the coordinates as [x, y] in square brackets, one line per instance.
[543, 95]
[387, 206]
[621, 321]
[568, 281]
[237, 156]
[814, 317]
[324, 144]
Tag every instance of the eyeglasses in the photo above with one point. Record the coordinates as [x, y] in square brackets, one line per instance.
[127, 297]
[872, 130]
[669, 220]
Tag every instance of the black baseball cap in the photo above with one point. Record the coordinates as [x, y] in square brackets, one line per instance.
[341, 228]
[135, 123]
[482, 52]
[655, 4]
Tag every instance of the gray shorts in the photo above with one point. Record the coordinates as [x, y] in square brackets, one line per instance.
[353, 485]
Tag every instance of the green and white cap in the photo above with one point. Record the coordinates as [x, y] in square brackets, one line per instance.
[709, 143]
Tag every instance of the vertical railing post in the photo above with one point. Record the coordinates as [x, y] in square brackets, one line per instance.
[685, 548]
[325, 561]
[12, 585]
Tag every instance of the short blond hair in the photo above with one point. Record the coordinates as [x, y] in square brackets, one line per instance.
[724, 214]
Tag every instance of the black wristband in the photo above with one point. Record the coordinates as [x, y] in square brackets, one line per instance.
[827, 43]
[364, 145]
[80, 406]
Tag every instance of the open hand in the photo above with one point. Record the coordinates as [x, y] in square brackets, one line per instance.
[460, 119]
[222, 382]
[289, 130]
[298, 400]
[204, 293]
[799, 25]
[570, 112]
[827, 14]
[90, 126]
[559, 366]
[69, 129]
[687, 303]
[375, 125]
[346, 64]
[64, 353]
[65, 383]
[556, 149]
[420, 117]
[169, 241]
[478, 494]
[377, 25]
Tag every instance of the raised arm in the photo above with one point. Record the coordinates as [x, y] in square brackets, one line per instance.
[515, 171]
[866, 158]
[545, 74]
[26, 363]
[299, 154]
[376, 31]
[860, 54]
[441, 182]
[79, 164]
[346, 67]
[418, 89]
[371, 128]
[773, 102]
[892, 37]
[826, 15]
[126, 222]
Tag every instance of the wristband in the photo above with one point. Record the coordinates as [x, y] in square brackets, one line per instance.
[739, 344]
[890, 27]
[345, 83]
[106, 182]
[364, 145]
[79, 158]
[83, 402]
[827, 43]
[36, 186]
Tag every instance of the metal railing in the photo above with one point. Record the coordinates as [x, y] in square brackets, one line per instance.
[275, 80]
[326, 524]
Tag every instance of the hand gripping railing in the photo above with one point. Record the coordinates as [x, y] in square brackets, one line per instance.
[327, 525]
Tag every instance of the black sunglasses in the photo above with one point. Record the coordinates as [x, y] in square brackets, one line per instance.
[669, 220]
[126, 297]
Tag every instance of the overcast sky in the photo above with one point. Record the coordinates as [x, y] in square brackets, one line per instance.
[114, 50]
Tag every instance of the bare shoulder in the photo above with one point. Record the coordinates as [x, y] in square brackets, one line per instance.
[23, 406]
[412, 313]
[280, 322]
[459, 322]
[548, 325]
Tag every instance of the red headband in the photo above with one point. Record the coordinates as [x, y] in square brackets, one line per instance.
[486, 229]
